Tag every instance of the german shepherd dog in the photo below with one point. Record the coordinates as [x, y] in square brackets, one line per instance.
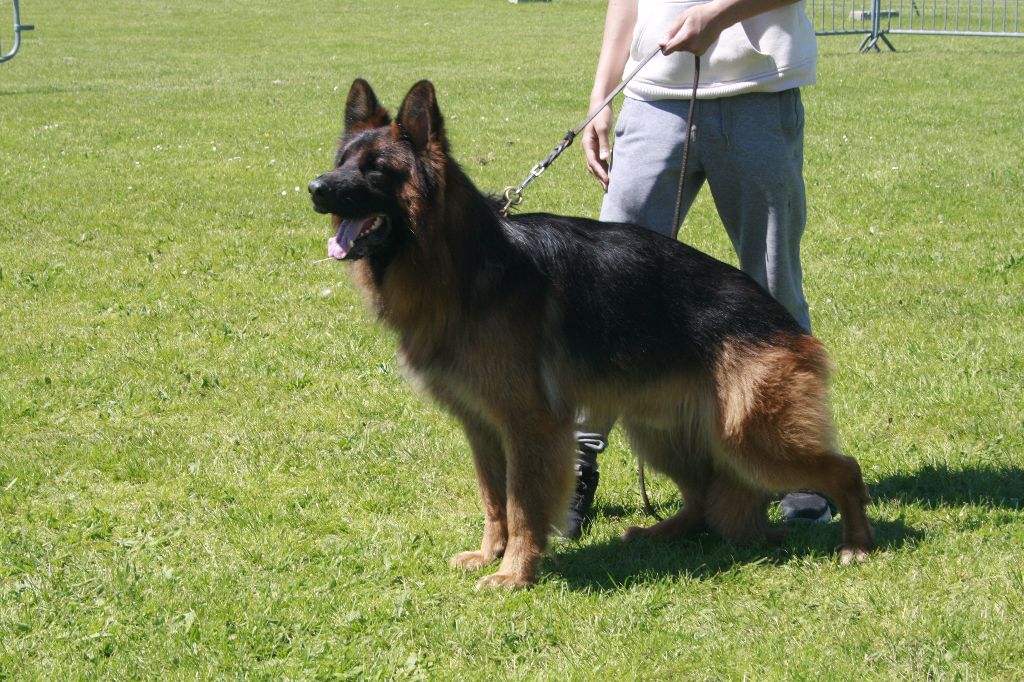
[518, 323]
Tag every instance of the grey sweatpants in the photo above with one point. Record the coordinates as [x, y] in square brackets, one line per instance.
[749, 149]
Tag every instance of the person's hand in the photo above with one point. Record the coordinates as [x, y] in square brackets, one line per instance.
[596, 145]
[692, 31]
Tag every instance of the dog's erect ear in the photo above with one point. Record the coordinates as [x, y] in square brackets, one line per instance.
[419, 118]
[362, 110]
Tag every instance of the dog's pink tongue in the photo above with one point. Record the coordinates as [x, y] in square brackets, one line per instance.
[339, 245]
[333, 250]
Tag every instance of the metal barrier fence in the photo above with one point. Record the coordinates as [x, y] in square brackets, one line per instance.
[18, 28]
[874, 19]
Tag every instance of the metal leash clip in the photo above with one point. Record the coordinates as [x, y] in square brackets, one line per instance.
[514, 195]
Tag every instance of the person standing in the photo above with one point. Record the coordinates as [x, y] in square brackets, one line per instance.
[747, 146]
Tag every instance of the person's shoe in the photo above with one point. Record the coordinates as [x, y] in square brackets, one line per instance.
[588, 445]
[806, 506]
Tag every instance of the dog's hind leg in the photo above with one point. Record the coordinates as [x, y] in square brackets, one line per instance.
[829, 473]
[737, 510]
[839, 477]
[777, 432]
[687, 521]
[489, 462]
[539, 476]
[843, 482]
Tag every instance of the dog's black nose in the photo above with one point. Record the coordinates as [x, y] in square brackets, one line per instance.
[317, 187]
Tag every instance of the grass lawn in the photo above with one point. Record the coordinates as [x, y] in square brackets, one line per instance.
[210, 467]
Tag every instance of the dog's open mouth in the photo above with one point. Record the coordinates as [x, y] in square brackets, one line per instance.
[355, 236]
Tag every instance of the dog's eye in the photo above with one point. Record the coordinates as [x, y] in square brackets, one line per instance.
[376, 176]
[372, 164]
[374, 169]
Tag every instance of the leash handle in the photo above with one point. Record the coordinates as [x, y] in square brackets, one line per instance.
[514, 195]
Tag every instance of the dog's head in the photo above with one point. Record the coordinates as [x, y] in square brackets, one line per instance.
[384, 172]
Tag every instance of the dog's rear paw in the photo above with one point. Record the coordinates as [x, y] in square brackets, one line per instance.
[849, 554]
[503, 581]
[634, 532]
[470, 561]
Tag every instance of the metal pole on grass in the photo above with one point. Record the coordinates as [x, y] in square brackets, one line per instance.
[871, 40]
[18, 28]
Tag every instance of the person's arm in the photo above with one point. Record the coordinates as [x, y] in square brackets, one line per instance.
[695, 29]
[618, 34]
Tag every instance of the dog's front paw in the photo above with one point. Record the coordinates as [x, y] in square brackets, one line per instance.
[471, 561]
[503, 581]
[849, 554]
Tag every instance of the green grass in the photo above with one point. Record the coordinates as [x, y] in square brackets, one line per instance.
[209, 466]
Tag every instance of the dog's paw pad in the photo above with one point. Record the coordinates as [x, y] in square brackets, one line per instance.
[502, 581]
[849, 555]
[469, 561]
[633, 533]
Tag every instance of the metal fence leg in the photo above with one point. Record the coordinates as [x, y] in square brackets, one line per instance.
[870, 41]
[18, 28]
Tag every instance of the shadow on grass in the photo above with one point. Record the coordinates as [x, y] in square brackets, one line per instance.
[38, 90]
[612, 564]
[935, 486]
[609, 565]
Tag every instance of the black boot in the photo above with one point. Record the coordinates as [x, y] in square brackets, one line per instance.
[588, 445]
